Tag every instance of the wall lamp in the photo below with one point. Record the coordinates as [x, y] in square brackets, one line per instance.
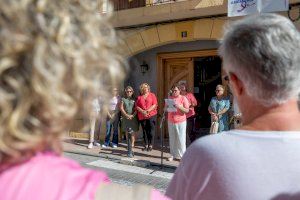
[144, 67]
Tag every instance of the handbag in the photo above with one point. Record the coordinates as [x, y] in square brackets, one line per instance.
[214, 127]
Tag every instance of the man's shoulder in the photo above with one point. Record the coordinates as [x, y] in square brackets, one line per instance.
[213, 143]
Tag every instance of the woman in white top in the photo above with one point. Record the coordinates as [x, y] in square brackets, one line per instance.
[112, 121]
[94, 118]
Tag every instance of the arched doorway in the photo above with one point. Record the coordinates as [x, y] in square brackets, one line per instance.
[202, 70]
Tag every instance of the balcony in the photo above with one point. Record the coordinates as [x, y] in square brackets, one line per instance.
[129, 4]
[137, 13]
[149, 12]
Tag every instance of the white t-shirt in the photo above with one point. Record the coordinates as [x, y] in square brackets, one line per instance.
[240, 165]
[113, 103]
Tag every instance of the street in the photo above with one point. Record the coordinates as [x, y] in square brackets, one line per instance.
[126, 174]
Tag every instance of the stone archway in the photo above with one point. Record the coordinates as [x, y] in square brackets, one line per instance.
[142, 39]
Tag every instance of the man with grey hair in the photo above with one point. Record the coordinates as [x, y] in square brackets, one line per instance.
[261, 160]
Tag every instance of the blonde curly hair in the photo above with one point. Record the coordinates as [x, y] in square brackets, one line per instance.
[143, 86]
[54, 56]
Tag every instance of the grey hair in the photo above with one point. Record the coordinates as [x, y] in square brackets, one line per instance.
[264, 52]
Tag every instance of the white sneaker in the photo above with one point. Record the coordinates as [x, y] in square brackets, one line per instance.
[114, 146]
[170, 158]
[96, 144]
[90, 146]
[104, 146]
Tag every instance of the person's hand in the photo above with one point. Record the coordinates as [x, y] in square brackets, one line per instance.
[112, 116]
[178, 106]
[145, 113]
[127, 116]
[214, 116]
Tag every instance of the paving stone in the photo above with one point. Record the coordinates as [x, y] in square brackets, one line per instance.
[79, 146]
[125, 174]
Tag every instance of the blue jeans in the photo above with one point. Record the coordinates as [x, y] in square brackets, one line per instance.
[109, 126]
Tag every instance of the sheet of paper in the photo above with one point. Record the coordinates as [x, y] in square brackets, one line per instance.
[170, 104]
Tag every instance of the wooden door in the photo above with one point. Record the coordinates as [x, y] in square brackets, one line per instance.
[174, 70]
[178, 69]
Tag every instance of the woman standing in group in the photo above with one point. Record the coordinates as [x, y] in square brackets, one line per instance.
[177, 124]
[218, 109]
[129, 119]
[146, 106]
[95, 119]
[190, 115]
[112, 120]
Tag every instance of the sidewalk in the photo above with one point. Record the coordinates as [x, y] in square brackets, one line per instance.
[141, 158]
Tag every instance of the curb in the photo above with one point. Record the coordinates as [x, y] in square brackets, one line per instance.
[125, 161]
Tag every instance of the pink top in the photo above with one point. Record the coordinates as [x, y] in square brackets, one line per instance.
[146, 104]
[52, 177]
[48, 176]
[192, 100]
[178, 116]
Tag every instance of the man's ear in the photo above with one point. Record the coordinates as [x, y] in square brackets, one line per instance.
[236, 84]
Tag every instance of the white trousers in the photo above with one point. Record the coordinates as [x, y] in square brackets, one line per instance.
[177, 139]
[93, 121]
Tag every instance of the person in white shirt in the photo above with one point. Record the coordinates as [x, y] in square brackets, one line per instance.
[94, 119]
[112, 121]
[261, 159]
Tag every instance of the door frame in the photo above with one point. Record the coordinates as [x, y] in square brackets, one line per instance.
[161, 57]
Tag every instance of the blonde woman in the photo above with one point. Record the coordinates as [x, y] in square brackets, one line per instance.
[54, 56]
[146, 105]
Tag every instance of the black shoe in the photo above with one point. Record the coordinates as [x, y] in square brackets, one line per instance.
[145, 149]
[149, 148]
